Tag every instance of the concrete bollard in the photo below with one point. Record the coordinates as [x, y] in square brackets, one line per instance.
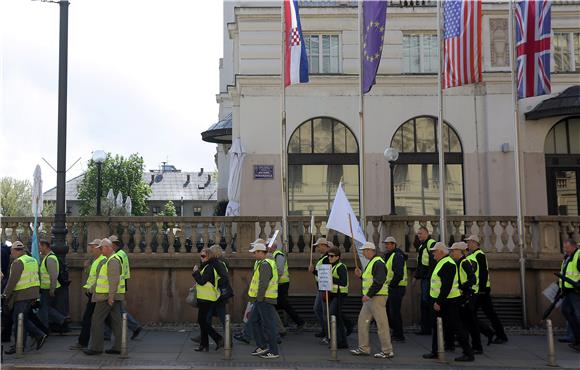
[228, 338]
[333, 344]
[124, 349]
[20, 336]
[440, 341]
[551, 349]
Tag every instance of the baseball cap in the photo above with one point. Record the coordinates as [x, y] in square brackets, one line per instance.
[95, 242]
[114, 239]
[322, 241]
[440, 246]
[390, 239]
[368, 245]
[258, 247]
[459, 246]
[259, 240]
[17, 245]
[105, 241]
[474, 238]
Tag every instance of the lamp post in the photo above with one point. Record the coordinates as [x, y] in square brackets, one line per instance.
[99, 157]
[391, 155]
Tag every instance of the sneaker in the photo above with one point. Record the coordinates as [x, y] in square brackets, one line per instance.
[324, 341]
[430, 356]
[384, 355]
[359, 352]
[269, 355]
[241, 338]
[260, 351]
[10, 351]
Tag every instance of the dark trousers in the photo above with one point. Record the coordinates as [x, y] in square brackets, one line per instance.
[264, 326]
[336, 303]
[571, 311]
[47, 312]
[452, 326]
[28, 326]
[394, 303]
[85, 334]
[204, 324]
[219, 310]
[468, 317]
[319, 311]
[484, 302]
[283, 303]
[426, 307]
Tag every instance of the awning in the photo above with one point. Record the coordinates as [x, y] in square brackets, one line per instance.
[220, 132]
[567, 103]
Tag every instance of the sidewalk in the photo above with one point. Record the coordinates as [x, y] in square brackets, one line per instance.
[172, 349]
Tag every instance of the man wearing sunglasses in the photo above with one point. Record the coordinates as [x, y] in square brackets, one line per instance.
[323, 246]
[338, 294]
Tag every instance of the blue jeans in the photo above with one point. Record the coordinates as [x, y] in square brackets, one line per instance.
[319, 312]
[47, 313]
[263, 321]
[571, 311]
[29, 327]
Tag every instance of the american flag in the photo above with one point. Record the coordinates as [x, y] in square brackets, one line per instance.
[533, 26]
[462, 42]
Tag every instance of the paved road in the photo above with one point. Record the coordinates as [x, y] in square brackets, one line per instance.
[172, 349]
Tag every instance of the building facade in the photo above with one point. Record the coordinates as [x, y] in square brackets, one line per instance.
[323, 137]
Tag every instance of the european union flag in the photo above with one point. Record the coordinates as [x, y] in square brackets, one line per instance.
[375, 19]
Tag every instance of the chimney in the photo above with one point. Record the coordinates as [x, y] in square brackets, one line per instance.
[201, 172]
[152, 180]
[187, 181]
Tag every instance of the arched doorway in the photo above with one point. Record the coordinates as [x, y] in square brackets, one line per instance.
[321, 152]
[416, 173]
[562, 149]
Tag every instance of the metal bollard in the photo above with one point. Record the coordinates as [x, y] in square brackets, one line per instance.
[333, 345]
[20, 336]
[124, 349]
[551, 348]
[440, 341]
[228, 339]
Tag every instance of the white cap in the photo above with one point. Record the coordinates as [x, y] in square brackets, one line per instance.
[461, 246]
[390, 239]
[259, 240]
[322, 241]
[259, 247]
[368, 245]
[474, 238]
[440, 246]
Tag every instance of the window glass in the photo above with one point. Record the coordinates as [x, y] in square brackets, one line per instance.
[549, 147]
[576, 37]
[566, 194]
[306, 138]
[561, 138]
[322, 135]
[397, 141]
[340, 138]
[561, 52]
[408, 134]
[334, 54]
[313, 53]
[325, 53]
[294, 144]
[454, 143]
[574, 132]
[420, 53]
[197, 211]
[425, 130]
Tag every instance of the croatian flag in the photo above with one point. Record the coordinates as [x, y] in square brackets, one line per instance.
[533, 26]
[296, 63]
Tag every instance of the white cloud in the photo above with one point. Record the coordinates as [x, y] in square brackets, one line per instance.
[142, 78]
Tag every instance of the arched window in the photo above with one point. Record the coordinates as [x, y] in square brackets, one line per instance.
[416, 172]
[562, 148]
[321, 152]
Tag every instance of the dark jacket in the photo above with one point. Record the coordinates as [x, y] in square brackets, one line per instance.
[483, 272]
[398, 266]
[224, 285]
[379, 277]
[466, 286]
[208, 273]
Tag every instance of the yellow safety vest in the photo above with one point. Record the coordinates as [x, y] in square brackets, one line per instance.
[474, 254]
[92, 279]
[391, 273]
[423, 256]
[29, 277]
[343, 289]
[285, 278]
[44, 275]
[436, 280]
[318, 263]
[103, 278]
[125, 261]
[475, 265]
[463, 274]
[272, 290]
[570, 270]
[208, 291]
[367, 278]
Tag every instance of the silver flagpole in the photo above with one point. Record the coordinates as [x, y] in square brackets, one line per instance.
[442, 210]
[283, 131]
[363, 216]
[519, 184]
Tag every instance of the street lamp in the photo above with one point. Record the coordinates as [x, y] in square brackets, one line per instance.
[99, 157]
[391, 155]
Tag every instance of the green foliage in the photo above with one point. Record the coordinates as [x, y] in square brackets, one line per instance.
[168, 209]
[220, 208]
[15, 197]
[120, 174]
[48, 209]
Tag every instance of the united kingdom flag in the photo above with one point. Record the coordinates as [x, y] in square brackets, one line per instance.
[533, 26]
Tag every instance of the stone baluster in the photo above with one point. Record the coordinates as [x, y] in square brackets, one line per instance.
[148, 237]
[409, 236]
[218, 232]
[262, 233]
[205, 227]
[435, 230]
[125, 235]
[492, 235]
[272, 225]
[137, 237]
[171, 240]
[469, 228]
[70, 237]
[228, 236]
[504, 236]
[576, 230]
[457, 232]
[376, 235]
[563, 232]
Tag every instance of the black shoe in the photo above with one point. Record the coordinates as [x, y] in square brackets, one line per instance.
[478, 351]
[398, 339]
[465, 358]
[90, 352]
[320, 335]
[112, 351]
[196, 339]
[564, 340]
[63, 328]
[499, 340]
[423, 333]
[219, 344]
[136, 333]
[201, 349]
[40, 341]
[10, 351]
[490, 339]
[430, 356]
[241, 338]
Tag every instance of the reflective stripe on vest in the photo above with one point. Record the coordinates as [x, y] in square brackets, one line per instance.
[477, 252]
[367, 278]
[423, 256]
[44, 275]
[272, 290]
[436, 280]
[102, 285]
[29, 277]
[318, 263]
[92, 279]
[208, 291]
[285, 278]
[391, 273]
[343, 289]
[125, 261]
[475, 265]
[570, 270]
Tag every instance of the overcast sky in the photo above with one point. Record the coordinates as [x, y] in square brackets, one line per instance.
[142, 77]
